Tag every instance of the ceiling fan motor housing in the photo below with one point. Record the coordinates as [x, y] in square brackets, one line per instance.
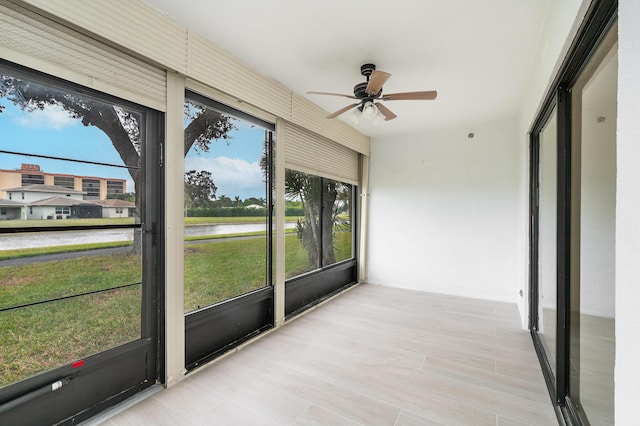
[367, 69]
[359, 90]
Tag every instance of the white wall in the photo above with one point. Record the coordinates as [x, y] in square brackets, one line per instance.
[628, 216]
[443, 211]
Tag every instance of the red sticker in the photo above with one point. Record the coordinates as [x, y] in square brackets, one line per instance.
[78, 364]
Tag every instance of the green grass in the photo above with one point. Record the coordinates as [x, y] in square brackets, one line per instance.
[40, 337]
[217, 271]
[37, 338]
[18, 253]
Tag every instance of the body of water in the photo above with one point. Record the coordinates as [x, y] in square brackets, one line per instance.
[49, 239]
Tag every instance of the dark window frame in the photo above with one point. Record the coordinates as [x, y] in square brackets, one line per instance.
[599, 19]
[219, 328]
[143, 359]
[311, 288]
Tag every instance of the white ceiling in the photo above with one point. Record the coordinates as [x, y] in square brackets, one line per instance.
[477, 54]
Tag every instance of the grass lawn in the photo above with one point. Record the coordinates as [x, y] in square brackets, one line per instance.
[38, 338]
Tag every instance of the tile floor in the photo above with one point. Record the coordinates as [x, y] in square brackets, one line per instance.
[372, 356]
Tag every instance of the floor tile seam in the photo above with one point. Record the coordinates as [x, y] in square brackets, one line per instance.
[264, 382]
[257, 413]
[294, 371]
[180, 412]
[495, 372]
[330, 410]
[412, 407]
[496, 396]
[432, 418]
[501, 388]
[372, 397]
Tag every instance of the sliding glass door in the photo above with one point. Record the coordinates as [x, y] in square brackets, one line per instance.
[592, 301]
[573, 207]
[547, 239]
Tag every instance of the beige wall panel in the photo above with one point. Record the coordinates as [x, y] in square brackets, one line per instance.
[216, 67]
[102, 66]
[311, 153]
[223, 98]
[141, 29]
[148, 33]
[312, 117]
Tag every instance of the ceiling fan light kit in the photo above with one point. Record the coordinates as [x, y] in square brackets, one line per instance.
[369, 94]
[369, 109]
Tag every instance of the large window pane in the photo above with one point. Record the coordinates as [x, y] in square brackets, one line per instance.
[592, 342]
[547, 240]
[339, 195]
[70, 165]
[323, 234]
[226, 205]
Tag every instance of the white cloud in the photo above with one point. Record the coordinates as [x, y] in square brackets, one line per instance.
[232, 176]
[52, 117]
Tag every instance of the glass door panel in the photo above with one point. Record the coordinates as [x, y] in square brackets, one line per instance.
[592, 331]
[547, 239]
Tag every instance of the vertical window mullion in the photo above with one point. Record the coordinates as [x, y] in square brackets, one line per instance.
[564, 241]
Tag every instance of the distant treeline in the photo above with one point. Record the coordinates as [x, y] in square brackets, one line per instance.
[239, 211]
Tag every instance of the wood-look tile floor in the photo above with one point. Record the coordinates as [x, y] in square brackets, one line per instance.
[372, 356]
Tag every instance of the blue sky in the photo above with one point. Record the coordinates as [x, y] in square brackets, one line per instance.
[235, 167]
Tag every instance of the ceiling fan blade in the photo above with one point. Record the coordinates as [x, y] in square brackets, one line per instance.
[341, 110]
[388, 115]
[409, 96]
[332, 94]
[376, 81]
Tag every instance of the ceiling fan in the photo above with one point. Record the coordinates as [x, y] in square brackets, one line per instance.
[369, 94]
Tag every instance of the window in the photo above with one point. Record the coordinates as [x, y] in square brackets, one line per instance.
[32, 179]
[63, 210]
[322, 233]
[91, 188]
[55, 311]
[118, 210]
[3, 211]
[115, 189]
[64, 181]
[226, 204]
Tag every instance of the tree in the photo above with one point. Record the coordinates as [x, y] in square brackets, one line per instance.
[121, 125]
[254, 201]
[223, 201]
[315, 231]
[199, 187]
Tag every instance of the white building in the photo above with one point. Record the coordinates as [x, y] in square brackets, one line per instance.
[57, 202]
